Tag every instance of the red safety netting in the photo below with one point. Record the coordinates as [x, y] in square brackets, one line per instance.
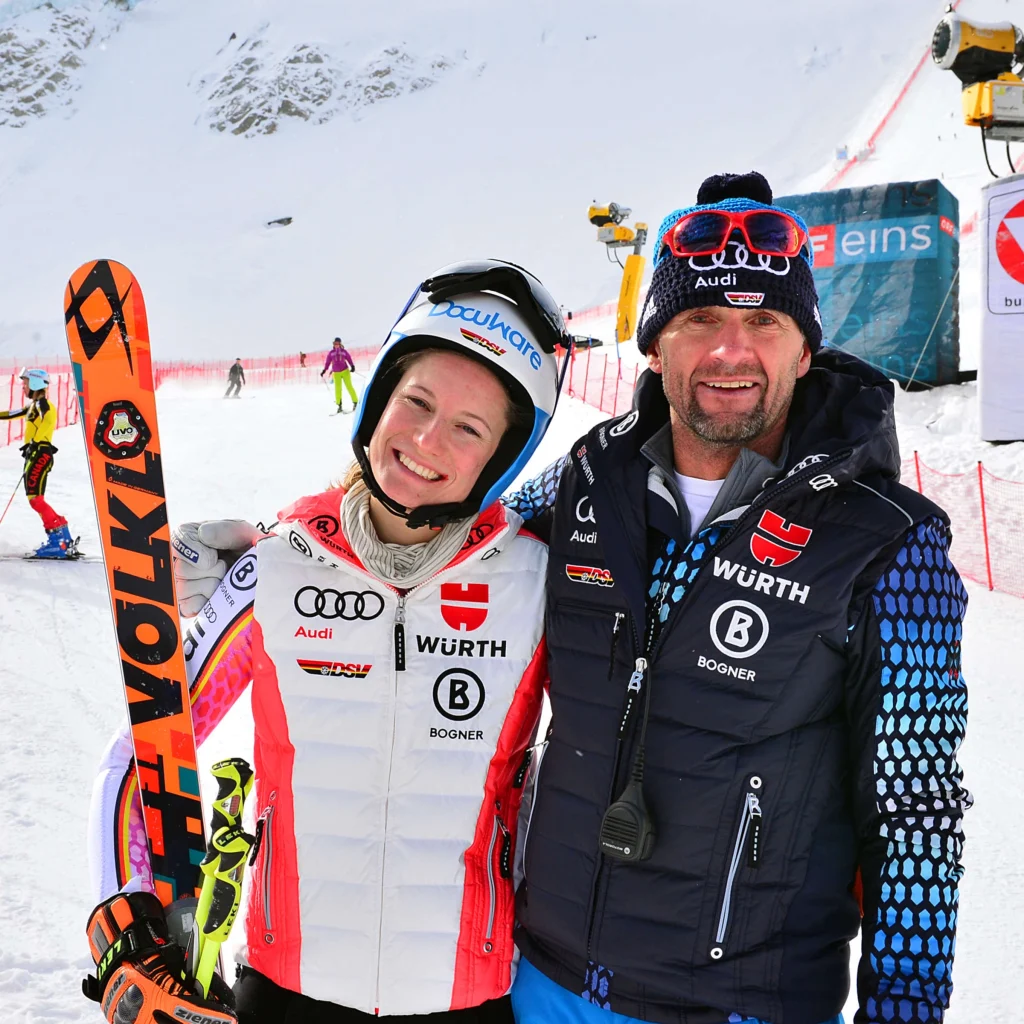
[266, 371]
[601, 380]
[986, 512]
[62, 394]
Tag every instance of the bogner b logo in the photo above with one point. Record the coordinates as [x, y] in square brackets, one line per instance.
[776, 542]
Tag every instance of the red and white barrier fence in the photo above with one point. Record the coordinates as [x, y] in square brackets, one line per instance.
[600, 380]
[267, 371]
[987, 513]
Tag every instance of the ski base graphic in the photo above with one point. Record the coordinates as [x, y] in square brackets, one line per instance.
[108, 340]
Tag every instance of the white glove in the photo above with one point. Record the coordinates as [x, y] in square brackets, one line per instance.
[202, 553]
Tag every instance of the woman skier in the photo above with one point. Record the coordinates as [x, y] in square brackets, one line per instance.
[38, 451]
[339, 361]
[392, 629]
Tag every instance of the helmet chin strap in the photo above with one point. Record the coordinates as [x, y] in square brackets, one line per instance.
[434, 516]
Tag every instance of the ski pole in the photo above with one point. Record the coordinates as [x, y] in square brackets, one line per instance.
[223, 866]
[13, 493]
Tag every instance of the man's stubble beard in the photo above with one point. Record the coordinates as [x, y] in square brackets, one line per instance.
[721, 432]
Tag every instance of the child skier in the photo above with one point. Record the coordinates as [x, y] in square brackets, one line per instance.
[38, 451]
[339, 361]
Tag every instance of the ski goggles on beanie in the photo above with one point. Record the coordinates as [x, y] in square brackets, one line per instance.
[497, 314]
[765, 232]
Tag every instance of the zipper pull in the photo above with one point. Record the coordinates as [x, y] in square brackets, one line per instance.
[636, 680]
[261, 824]
[400, 635]
[619, 616]
[505, 854]
[520, 776]
[754, 842]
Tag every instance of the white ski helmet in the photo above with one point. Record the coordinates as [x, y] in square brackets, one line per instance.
[500, 315]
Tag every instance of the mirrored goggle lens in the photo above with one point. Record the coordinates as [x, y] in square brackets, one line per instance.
[770, 232]
[700, 233]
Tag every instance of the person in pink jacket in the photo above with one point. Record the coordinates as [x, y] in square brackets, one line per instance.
[392, 632]
[339, 362]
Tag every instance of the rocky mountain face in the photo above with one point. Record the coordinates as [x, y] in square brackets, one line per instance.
[258, 85]
[254, 85]
[43, 49]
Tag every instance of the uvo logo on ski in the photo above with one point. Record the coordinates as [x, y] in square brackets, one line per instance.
[775, 542]
[590, 574]
[333, 668]
[464, 605]
[739, 629]
[121, 431]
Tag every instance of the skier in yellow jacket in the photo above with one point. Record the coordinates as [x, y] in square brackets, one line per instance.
[38, 450]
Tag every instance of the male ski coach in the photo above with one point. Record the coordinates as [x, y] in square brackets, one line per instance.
[754, 633]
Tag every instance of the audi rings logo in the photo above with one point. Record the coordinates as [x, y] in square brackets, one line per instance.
[349, 605]
[477, 535]
[736, 256]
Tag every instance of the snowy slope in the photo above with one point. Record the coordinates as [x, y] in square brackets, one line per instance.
[405, 136]
[61, 697]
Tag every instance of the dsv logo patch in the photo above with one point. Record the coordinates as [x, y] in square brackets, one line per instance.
[458, 694]
[349, 605]
[739, 629]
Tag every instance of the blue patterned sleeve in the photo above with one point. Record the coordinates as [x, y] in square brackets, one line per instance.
[911, 792]
[536, 497]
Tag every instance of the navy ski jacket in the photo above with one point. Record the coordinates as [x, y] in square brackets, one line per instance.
[805, 709]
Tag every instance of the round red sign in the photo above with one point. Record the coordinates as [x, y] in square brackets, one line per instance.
[1010, 242]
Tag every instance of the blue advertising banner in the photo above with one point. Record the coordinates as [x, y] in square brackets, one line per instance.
[886, 264]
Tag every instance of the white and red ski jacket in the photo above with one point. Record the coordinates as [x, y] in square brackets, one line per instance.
[392, 740]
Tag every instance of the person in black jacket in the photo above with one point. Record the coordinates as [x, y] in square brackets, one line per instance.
[754, 634]
[236, 378]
